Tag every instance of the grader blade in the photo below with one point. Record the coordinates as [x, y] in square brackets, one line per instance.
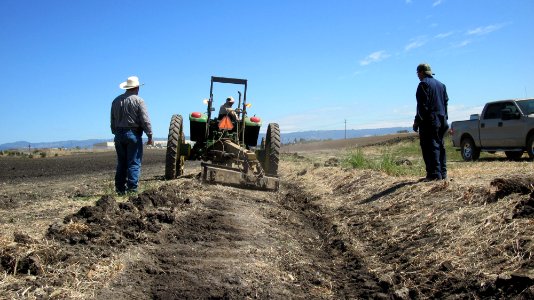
[230, 176]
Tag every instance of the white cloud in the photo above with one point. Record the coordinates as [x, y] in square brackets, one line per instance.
[436, 3]
[374, 57]
[444, 35]
[401, 116]
[485, 29]
[415, 44]
[462, 44]
[405, 110]
[462, 112]
[309, 120]
[408, 122]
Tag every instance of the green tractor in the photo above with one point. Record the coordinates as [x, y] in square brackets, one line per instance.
[228, 147]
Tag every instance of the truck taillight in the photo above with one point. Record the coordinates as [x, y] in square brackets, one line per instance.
[196, 115]
[255, 119]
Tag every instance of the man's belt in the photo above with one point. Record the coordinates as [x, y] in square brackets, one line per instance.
[129, 128]
[137, 130]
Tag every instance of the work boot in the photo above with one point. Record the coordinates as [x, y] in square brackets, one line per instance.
[427, 179]
[131, 192]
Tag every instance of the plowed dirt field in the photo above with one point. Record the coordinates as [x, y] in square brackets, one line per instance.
[329, 233]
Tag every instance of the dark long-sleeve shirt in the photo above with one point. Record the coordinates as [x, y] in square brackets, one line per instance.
[432, 100]
[129, 111]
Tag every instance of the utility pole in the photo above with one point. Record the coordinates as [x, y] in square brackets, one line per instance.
[345, 128]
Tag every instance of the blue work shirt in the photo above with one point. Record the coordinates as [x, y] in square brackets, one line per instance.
[432, 100]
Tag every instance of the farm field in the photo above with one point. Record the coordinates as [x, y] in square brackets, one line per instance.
[332, 231]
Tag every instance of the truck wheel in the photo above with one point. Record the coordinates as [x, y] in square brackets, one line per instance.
[174, 162]
[272, 149]
[513, 155]
[530, 147]
[470, 152]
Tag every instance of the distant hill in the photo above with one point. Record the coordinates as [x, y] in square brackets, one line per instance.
[71, 144]
[337, 134]
[61, 144]
[286, 138]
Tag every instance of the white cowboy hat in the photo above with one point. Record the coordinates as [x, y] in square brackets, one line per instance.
[132, 82]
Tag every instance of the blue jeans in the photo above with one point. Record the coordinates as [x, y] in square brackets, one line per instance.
[129, 147]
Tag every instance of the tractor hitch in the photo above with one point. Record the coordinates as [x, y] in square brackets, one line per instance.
[230, 176]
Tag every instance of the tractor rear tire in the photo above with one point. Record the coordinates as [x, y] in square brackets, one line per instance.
[272, 150]
[174, 162]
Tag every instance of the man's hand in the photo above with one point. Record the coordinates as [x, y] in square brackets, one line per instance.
[415, 127]
[150, 141]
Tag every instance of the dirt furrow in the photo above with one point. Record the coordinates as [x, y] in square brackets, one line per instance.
[236, 243]
[352, 279]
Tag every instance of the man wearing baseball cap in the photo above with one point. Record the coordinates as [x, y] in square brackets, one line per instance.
[226, 109]
[129, 118]
[431, 122]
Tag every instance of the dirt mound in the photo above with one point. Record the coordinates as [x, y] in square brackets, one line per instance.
[88, 238]
[525, 208]
[120, 224]
[21, 258]
[502, 187]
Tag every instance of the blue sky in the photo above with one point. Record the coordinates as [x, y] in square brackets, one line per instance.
[311, 65]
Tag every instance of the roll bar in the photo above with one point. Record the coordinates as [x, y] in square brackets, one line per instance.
[232, 81]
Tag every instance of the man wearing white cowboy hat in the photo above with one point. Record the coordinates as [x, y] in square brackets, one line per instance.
[129, 118]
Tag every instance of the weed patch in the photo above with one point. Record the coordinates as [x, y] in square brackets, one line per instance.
[390, 163]
[404, 158]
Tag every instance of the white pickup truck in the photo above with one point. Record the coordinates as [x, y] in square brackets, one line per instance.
[506, 125]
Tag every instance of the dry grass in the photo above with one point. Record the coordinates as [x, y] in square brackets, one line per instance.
[414, 229]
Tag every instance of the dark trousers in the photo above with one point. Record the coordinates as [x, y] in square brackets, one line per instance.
[431, 137]
[129, 148]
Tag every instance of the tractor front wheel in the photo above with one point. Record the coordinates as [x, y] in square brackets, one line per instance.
[174, 162]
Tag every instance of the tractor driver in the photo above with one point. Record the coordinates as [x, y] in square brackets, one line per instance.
[226, 109]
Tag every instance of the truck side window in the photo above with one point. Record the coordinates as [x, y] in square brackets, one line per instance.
[511, 106]
[526, 106]
[493, 111]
